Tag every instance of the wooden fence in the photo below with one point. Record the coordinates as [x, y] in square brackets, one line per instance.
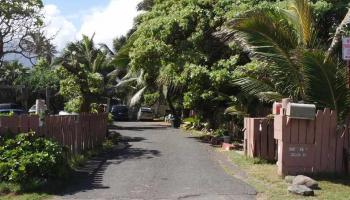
[77, 132]
[18, 124]
[311, 146]
[258, 138]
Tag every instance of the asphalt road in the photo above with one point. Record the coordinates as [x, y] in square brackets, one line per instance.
[159, 163]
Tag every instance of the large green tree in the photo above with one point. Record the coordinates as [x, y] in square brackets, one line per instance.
[173, 35]
[20, 24]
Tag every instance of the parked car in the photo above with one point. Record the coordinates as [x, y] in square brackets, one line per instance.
[7, 108]
[32, 109]
[120, 112]
[145, 113]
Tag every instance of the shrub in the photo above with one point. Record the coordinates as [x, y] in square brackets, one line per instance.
[220, 132]
[28, 157]
[107, 145]
[7, 114]
[115, 137]
[110, 119]
[193, 123]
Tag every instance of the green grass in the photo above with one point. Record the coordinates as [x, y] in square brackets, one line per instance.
[263, 176]
[11, 191]
[33, 196]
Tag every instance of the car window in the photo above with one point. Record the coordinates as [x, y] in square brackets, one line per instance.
[146, 110]
[10, 106]
[119, 109]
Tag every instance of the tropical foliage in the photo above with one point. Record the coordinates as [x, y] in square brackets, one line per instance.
[287, 39]
[216, 57]
[28, 157]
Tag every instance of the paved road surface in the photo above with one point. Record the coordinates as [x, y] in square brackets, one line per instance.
[159, 163]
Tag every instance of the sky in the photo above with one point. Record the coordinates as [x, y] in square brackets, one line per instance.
[67, 20]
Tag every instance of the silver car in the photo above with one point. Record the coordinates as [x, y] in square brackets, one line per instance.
[145, 113]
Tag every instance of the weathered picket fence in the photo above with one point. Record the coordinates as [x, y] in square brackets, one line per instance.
[303, 146]
[258, 138]
[311, 146]
[18, 124]
[77, 132]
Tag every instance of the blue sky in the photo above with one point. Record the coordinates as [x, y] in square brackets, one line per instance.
[67, 20]
[72, 8]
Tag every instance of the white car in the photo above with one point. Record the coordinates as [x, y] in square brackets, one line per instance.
[145, 113]
[32, 109]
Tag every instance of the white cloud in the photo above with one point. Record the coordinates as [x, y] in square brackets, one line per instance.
[58, 26]
[107, 23]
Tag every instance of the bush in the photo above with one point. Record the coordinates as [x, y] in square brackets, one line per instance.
[28, 158]
[220, 132]
[193, 123]
[107, 145]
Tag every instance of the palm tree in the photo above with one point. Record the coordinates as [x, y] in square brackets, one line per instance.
[11, 72]
[81, 59]
[277, 36]
[286, 38]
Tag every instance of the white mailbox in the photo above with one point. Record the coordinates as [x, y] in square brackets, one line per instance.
[301, 111]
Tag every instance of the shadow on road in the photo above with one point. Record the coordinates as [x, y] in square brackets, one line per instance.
[90, 177]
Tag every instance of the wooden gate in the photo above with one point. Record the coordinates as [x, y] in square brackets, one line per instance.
[311, 146]
[258, 138]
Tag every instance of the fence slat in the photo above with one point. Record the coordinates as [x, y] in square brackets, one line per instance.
[310, 135]
[271, 142]
[325, 141]
[318, 140]
[332, 142]
[294, 131]
[302, 132]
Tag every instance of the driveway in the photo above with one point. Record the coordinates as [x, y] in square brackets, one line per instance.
[158, 163]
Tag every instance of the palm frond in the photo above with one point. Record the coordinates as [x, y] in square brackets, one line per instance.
[106, 49]
[268, 35]
[233, 110]
[115, 73]
[326, 83]
[122, 56]
[270, 97]
[252, 86]
[300, 15]
[137, 97]
[125, 82]
[99, 62]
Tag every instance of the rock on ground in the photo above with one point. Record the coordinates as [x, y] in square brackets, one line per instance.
[307, 181]
[289, 179]
[301, 190]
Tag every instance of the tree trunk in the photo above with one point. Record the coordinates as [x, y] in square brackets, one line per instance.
[85, 104]
[171, 106]
[338, 35]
